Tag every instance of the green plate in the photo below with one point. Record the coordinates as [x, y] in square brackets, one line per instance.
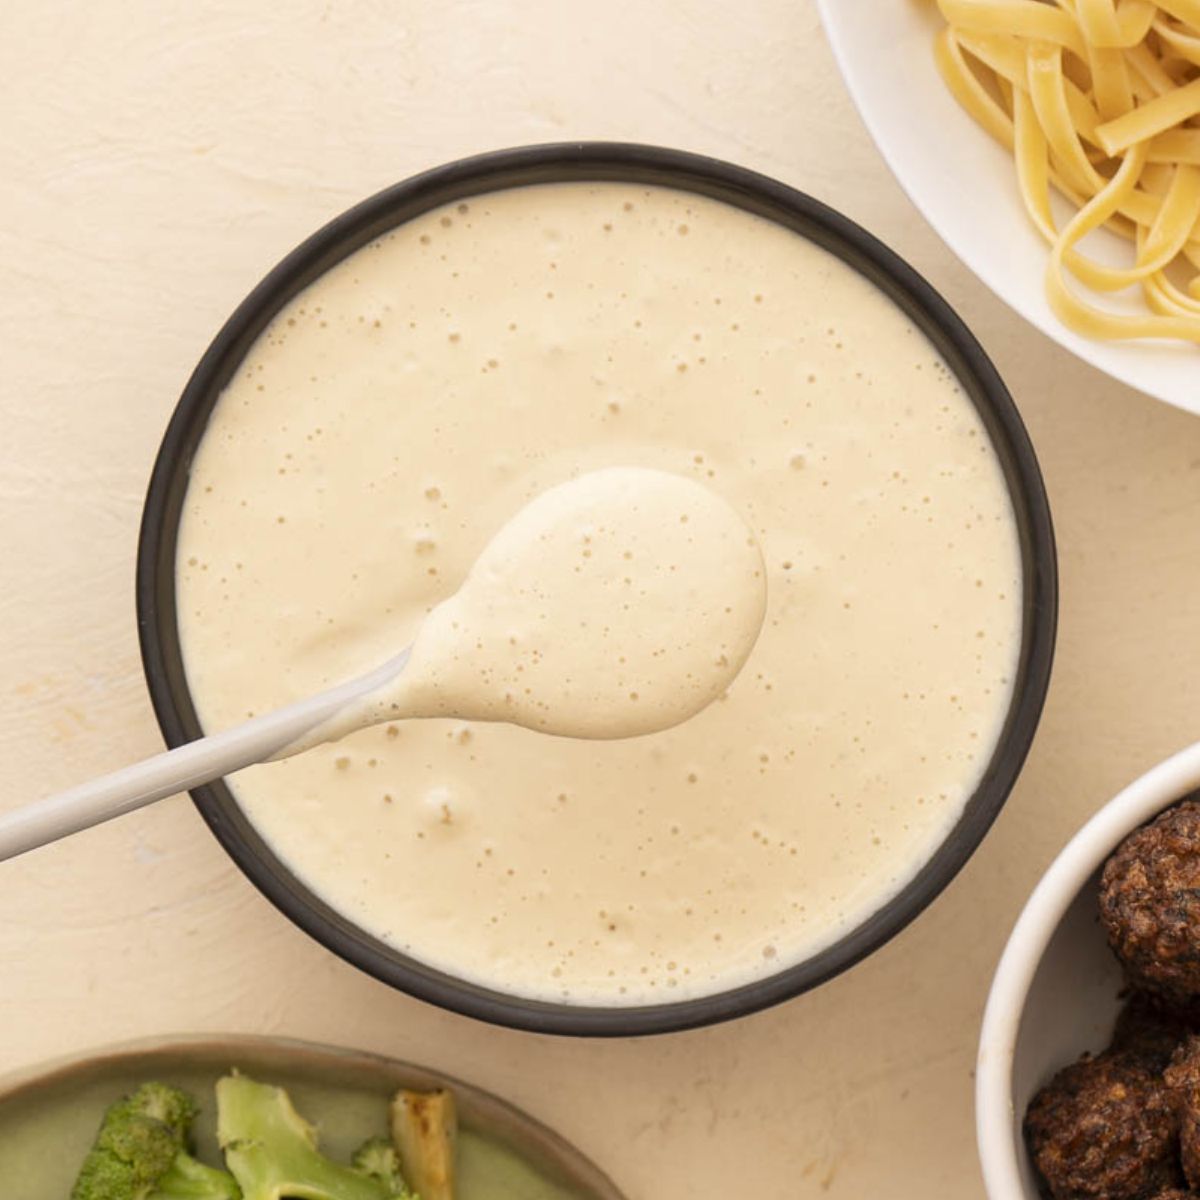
[49, 1118]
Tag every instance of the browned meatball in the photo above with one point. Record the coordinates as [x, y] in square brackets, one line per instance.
[1150, 1034]
[1103, 1129]
[1175, 1194]
[1182, 1079]
[1150, 904]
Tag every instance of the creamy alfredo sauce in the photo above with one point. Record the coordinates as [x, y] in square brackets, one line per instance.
[405, 406]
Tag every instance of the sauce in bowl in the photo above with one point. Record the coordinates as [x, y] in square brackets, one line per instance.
[398, 412]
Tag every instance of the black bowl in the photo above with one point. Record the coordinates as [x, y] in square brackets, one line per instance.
[647, 165]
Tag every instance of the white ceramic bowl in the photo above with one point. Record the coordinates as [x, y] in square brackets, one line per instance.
[1055, 991]
[964, 183]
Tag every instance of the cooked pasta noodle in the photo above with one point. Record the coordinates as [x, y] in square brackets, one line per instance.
[1099, 100]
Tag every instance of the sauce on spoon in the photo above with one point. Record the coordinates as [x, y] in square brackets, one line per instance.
[616, 604]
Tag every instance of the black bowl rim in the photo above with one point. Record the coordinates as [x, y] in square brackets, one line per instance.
[597, 161]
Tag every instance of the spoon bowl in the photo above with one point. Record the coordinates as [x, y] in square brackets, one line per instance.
[619, 603]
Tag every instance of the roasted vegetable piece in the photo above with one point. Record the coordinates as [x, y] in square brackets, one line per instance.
[425, 1130]
[141, 1153]
[273, 1153]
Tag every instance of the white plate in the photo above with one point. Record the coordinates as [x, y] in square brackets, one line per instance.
[964, 183]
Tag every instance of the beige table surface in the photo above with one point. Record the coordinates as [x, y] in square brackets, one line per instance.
[157, 157]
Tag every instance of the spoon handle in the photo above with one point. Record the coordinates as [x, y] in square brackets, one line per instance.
[272, 735]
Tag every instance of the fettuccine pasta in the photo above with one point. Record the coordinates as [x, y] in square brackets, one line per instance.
[1099, 100]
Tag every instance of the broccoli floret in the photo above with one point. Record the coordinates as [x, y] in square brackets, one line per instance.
[171, 1106]
[187, 1179]
[140, 1152]
[379, 1159]
[272, 1151]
